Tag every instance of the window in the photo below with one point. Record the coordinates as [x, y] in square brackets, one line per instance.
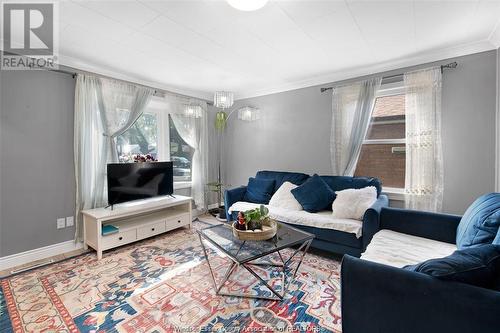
[154, 133]
[383, 151]
[141, 138]
[181, 154]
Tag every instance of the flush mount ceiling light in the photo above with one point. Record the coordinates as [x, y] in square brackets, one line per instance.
[247, 5]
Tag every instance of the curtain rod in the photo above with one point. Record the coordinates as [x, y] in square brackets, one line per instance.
[443, 67]
[75, 71]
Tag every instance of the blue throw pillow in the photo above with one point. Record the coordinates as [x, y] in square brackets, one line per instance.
[480, 223]
[477, 266]
[259, 190]
[314, 194]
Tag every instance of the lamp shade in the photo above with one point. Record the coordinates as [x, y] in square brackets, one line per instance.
[223, 99]
[193, 111]
[248, 113]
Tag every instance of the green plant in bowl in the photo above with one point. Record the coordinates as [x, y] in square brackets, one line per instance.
[255, 217]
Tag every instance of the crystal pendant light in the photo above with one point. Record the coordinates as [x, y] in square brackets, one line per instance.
[223, 99]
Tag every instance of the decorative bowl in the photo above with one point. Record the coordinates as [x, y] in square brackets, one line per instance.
[269, 229]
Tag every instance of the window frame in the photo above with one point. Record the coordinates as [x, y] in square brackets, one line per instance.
[389, 89]
[158, 107]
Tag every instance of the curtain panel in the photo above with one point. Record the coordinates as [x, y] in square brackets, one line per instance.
[104, 109]
[89, 144]
[352, 107]
[193, 129]
[424, 156]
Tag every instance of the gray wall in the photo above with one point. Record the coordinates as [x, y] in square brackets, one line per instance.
[213, 149]
[36, 159]
[36, 145]
[469, 102]
[497, 184]
[294, 132]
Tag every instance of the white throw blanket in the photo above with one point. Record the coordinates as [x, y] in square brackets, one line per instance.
[322, 220]
[397, 249]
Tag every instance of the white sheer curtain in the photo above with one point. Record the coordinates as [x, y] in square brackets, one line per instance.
[193, 129]
[424, 156]
[122, 103]
[89, 144]
[104, 109]
[352, 107]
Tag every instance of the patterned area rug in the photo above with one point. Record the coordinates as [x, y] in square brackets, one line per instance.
[163, 285]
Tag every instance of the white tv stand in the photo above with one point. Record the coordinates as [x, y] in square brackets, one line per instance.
[135, 220]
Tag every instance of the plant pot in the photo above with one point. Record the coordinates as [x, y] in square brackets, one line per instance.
[222, 213]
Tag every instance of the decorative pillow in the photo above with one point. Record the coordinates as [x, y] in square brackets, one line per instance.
[314, 194]
[259, 190]
[480, 223]
[283, 198]
[476, 265]
[353, 203]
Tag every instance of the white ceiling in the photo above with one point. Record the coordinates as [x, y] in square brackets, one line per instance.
[199, 46]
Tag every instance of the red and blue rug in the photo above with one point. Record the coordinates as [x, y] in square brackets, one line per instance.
[163, 285]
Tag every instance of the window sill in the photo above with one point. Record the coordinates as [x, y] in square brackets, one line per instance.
[182, 185]
[394, 193]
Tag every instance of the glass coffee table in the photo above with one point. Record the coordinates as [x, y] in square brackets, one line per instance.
[252, 254]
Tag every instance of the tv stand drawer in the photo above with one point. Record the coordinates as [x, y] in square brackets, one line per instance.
[119, 239]
[178, 221]
[151, 230]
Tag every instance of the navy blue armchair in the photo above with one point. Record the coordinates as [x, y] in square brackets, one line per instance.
[381, 298]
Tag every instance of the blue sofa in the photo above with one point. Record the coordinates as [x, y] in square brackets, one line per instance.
[381, 298]
[326, 239]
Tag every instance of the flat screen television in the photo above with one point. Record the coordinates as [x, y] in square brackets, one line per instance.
[134, 181]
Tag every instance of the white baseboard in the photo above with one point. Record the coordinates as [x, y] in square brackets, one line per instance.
[45, 252]
[38, 254]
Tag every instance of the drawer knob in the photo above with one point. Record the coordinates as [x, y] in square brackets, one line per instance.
[179, 221]
[120, 238]
[152, 229]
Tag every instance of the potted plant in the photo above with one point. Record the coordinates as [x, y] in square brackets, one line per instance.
[254, 224]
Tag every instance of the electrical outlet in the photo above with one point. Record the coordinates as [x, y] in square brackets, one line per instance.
[70, 221]
[61, 223]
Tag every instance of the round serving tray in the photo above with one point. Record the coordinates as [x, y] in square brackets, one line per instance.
[269, 229]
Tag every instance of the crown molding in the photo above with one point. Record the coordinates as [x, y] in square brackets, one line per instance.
[494, 37]
[83, 66]
[493, 42]
[427, 57]
[87, 67]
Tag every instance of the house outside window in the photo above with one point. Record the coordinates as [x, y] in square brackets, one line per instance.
[383, 151]
[154, 133]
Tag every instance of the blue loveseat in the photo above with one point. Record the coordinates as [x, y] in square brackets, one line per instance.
[381, 298]
[326, 239]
